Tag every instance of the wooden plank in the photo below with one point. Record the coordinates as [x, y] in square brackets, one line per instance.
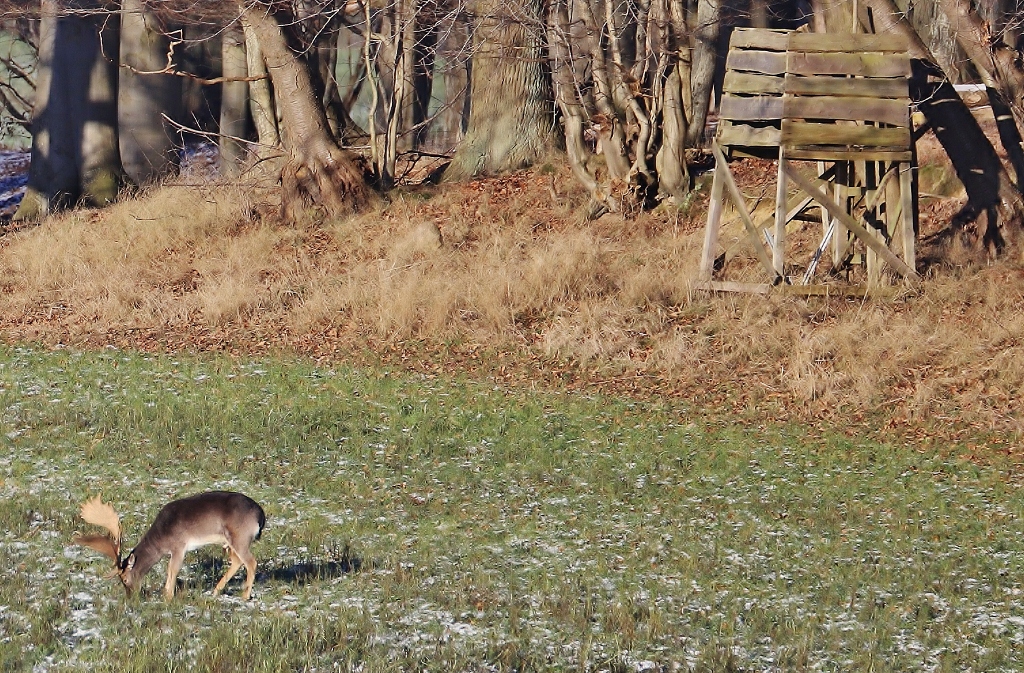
[741, 206]
[850, 42]
[730, 286]
[845, 86]
[759, 38]
[751, 108]
[885, 111]
[798, 290]
[742, 135]
[822, 85]
[826, 153]
[858, 65]
[764, 62]
[850, 223]
[753, 83]
[803, 134]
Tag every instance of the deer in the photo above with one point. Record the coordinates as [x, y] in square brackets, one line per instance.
[215, 517]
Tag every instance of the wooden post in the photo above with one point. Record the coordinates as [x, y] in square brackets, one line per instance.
[907, 214]
[707, 259]
[781, 202]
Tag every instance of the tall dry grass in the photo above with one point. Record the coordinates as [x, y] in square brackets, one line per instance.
[508, 265]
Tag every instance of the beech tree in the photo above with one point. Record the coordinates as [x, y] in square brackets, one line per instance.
[146, 92]
[74, 122]
[511, 115]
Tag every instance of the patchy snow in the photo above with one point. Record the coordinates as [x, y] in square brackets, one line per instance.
[465, 564]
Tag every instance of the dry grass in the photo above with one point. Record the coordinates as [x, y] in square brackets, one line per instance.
[502, 265]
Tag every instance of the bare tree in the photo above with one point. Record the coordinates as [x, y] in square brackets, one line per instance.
[633, 92]
[1001, 67]
[74, 121]
[18, 60]
[318, 171]
[989, 188]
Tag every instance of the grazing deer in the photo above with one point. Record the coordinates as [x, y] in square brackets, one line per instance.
[216, 517]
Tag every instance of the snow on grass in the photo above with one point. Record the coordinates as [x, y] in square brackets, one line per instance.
[416, 523]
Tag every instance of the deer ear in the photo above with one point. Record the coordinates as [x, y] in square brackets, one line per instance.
[129, 562]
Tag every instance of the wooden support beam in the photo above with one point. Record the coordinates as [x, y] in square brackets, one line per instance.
[707, 259]
[741, 206]
[850, 223]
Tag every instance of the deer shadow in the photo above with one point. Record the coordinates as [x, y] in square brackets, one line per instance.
[299, 572]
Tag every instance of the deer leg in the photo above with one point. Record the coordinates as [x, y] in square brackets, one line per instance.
[236, 563]
[250, 571]
[173, 566]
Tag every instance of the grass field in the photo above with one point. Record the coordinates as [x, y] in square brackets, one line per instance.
[429, 524]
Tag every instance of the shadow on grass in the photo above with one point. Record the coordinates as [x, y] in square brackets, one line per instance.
[295, 573]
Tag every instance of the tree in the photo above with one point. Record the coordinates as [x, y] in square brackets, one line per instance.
[146, 92]
[510, 117]
[234, 100]
[633, 93]
[74, 121]
[1002, 71]
[317, 170]
[705, 58]
[17, 88]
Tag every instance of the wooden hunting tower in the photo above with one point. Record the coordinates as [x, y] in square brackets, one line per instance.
[834, 111]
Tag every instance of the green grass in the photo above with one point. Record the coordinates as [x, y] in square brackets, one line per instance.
[417, 523]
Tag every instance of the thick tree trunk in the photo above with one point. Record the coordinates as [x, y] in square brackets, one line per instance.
[511, 117]
[149, 145]
[74, 123]
[318, 170]
[705, 55]
[261, 97]
[937, 33]
[102, 171]
[234, 101]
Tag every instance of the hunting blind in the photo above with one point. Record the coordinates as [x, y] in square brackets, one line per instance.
[834, 111]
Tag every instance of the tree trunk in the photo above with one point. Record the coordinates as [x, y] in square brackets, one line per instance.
[148, 144]
[937, 33]
[673, 175]
[425, 31]
[318, 170]
[261, 97]
[102, 172]
[510, 119]
[705, 59]
[234, 101]
[74, 123]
